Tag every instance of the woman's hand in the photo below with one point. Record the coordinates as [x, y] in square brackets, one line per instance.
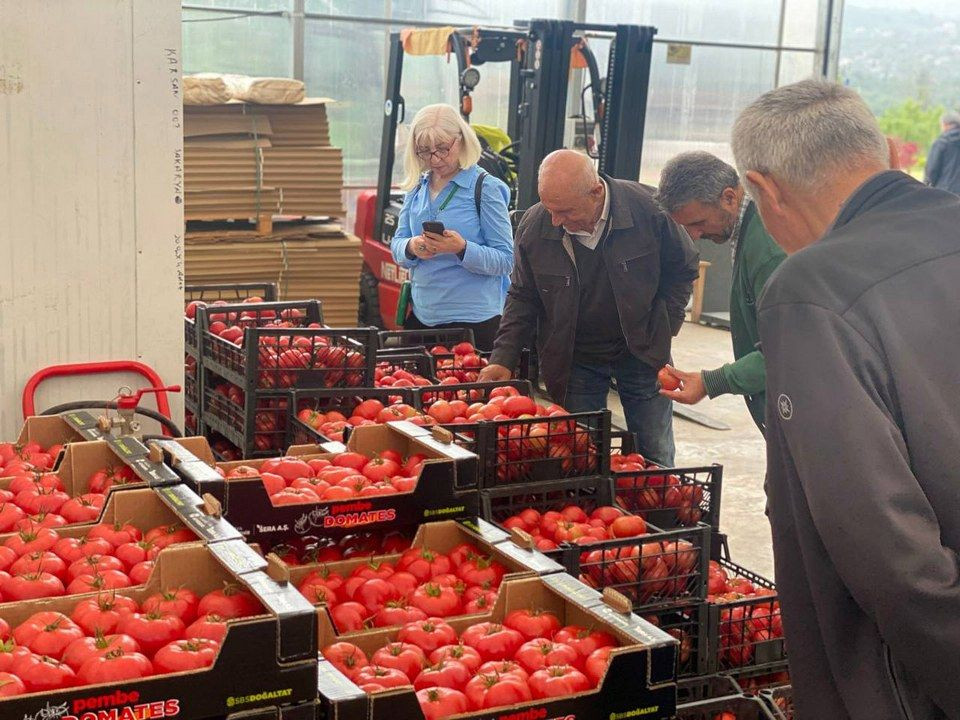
[418, 246]
[450, 242]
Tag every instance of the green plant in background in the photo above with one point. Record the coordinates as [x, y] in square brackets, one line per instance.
[913, 122]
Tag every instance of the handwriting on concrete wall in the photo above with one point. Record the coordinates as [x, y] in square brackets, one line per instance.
[172, 59]
[11, 82]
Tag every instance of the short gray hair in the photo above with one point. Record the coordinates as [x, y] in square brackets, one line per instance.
[804, 132]
[951, 118]
[695, 175]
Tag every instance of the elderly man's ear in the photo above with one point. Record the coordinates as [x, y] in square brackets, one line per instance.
[894, 153]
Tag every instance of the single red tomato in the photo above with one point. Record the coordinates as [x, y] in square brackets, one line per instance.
[82, 649]
[424, 564]
[166, 535]
[132, 553]
[30, 586]
[428, 634]
[229, 602]
[352, 460]
[385, 677]
[533, 623]
[405, 657]
[32, 540]
[482, 571]
[348, 616]
[463, 552]
[667, 380]
[436, 600]
[557, 681]
[141, 572]
[11, 653]
[104, 580]
[441, 702]
[82, 509]
[492, 640]
[446, 673]
[493, 690]
[47, 633]
[211, 627]
[188, 654]
[101, 614]
[537, 654]
[114, 666]
[596, 664]
[397, 612]
[11, 685]
[116, 533]
[152, 631]
[583, 640]
[180, 601]
[36, 562]
[40, 673]
[379, 469]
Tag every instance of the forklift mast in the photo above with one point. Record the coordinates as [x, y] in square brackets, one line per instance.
[539, 54]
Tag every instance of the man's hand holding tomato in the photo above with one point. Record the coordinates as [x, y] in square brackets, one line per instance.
[691, 389]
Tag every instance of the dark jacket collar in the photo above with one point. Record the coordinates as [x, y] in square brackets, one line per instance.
[873, 192]
[620, 215]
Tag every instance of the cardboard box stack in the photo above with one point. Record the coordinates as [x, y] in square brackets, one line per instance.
[305, 261]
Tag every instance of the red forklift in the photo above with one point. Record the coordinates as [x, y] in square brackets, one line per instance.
[541, 54]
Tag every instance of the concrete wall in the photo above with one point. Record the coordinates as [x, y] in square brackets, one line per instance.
[90, 194]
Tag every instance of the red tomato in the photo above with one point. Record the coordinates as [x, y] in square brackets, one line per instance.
[481, 603]
[596, 664]
[40, 499]
[385, 677]
[179, 601]
[628, 526]
[102, 613]
[405, 657]
[441, 702]
[667, 380]
[492, 640]
[374, 594]
[39, 562]
[151, 631]
[82, 649]
[348, 616]
[397, 612]
[4, 629]
[103, 480]
[40, 674]
[446, 673]
[229, 602]
[289, 468]
[489, 691]
[7, 557]
[606, 514]
[352, 460]
[428, 634]
[211, 627]
[103, 580]
[32, 540]
[10, 515]
[464, 654]
[463, 552]
[584, 641]
[557, 681]
[537, 654]
[346, 657]
[424, 564]
[47, 633]
[11, 653]
[116, 533]
[85, 508]
[189, 654]
[167, 535]
[132, 553]
[379, 469]
[405, 583]
[114, 667]
[30, 586]
[533, 623]
[140, 572]
[11, 685]
[482, 570]
[436, 600]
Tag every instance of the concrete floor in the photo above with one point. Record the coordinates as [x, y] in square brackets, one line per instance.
[740, 450]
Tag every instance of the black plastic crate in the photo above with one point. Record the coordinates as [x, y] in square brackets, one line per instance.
[256, 423]
[746, 635]
[229, 292]
[540, 449]
[468, 392]
[622, 441]
[428, 337]
[742, 707]
[274, 358]
[706, 687]
[758, 680]
[688, 624]
[780, 701]
[673, 497]
[445, 368]
[342, 400]
[652, 576]
[418, 364]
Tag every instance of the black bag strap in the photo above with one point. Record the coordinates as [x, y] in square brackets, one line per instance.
[478, 190]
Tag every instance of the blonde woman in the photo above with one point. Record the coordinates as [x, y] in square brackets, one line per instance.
[457, 277]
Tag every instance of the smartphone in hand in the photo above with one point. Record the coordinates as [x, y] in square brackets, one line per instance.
[435, 228]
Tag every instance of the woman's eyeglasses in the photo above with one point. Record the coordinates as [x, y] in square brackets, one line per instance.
[440, 152]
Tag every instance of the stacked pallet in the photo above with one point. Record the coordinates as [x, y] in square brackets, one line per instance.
[315, 260]
[244, 161]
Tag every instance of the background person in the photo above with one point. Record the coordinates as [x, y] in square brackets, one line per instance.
[860, 334]
[703, 194]
[943, 161]
[458, 278]
[604, 276]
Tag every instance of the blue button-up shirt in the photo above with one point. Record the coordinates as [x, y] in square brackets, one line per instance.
[446, 289]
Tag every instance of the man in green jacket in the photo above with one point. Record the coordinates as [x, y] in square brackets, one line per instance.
[704, 194]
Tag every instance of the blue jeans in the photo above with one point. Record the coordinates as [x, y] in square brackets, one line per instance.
[648, 413]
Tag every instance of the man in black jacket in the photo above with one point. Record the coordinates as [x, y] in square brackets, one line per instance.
[604, 276]
[943, 161]
[860, 333]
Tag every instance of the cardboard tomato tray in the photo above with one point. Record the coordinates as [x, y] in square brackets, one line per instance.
[50, 430]
[445, 489]
[442, 537]
[639, 681]
[267, 660]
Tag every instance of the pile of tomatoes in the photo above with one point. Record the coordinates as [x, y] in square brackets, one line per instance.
[645, 572]
[33, 499]
[347, 475]
[528, 656]
[27, 458]
[332, 423]
[37, 562]
[462, 363]
[571, 524]
[422, 583]
[389, 375]
[640, 493]
[110, 638]
[745, 625]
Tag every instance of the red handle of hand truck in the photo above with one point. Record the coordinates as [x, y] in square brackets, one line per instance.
[98, 368]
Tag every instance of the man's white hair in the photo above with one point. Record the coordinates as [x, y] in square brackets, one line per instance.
[806, 132]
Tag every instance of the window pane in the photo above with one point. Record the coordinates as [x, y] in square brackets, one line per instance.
[244, 4]
[692, 107]
[498, 12]
[756, 21]
[253, 45]
[795, 66]
[801, 18]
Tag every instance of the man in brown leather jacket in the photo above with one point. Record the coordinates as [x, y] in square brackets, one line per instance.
[603, 276]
